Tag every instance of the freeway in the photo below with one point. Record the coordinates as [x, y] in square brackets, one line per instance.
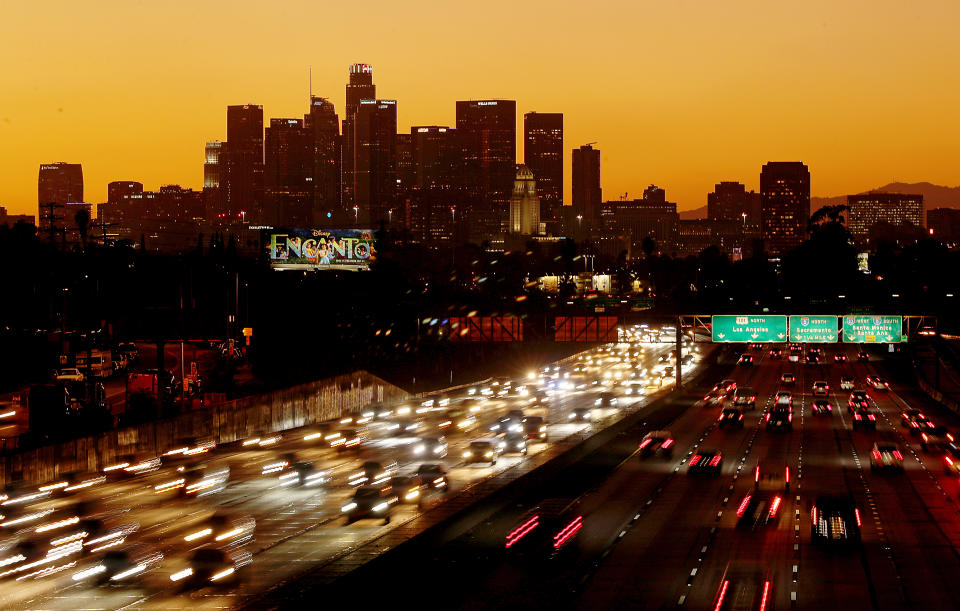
[653, 535]
[296, 528]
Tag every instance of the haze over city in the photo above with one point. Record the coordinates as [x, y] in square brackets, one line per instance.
[682, 94]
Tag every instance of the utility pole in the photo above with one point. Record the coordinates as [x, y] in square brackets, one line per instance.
[679, 350]
[52, 217]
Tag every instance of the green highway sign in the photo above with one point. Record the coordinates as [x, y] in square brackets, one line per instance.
[749, 328]
[864, 329]
[817, 329]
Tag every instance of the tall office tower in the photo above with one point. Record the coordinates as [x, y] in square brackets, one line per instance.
[288, 170]
[587, 195]
[868, 209]
[57, 184]
[212, 169]
[730, 201]
[375, 161]
[784, 205]
[241, 163]
[359, 87]
[524, 204]
[433, 198]
[487, 130]
[121, 209]
[324, 126]
[404, 156]
[543, 155]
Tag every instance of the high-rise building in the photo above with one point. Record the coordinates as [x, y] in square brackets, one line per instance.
[487, 130]
[868, 209]
[730, 201]
[433, 197]
[324, 126]
[288, 174]
[784, 205]
[524, 204]
[212, 191]
[637, 219]
[543, 155]
[375, 161]
[359, 87]
[944, 225]
[587, 195]
[241, 163]
[120, 209]
[57, 184]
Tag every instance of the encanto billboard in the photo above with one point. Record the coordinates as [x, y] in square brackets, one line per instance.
[303, 249]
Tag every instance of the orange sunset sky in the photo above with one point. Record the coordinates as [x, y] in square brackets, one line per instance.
[683, 94]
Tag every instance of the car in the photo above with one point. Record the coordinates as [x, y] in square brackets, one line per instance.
[784, 398]
[730, 416]
[69, 374]
[606, 399]
[812, 359]
[407, 488]
[579, 414]
[544, 530]
[936, 440]
[120, 565]
[303, 473]
[864, 418]
[713, 398]
[821, 407]
[846, 383]
[780, 418]
[886, 455]
[746, 360]
[539, 398]
[758, 509]
[863, 356]
[834, 520]
[951, 462]
[923, 426]
[535, 428]
[371, 502]
[756, 346]
[508, 424]
[775, 353]
[746, 398]
[213, 566]
[656, 443]
[430, 447]
[877, 383]
[514, 443]
[858, 399]
[744, 585]
[840, 358]
[225, 528]
[788, 378]
[484, 450]
[434, 477]
[727, 386]
[195, 481]
[821, 389]
[909, 416]
[706, 461]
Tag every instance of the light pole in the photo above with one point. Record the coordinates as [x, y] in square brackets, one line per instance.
[579, 223]
[390, 216]
[356, 214]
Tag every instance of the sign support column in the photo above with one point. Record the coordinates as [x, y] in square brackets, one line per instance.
[679, 350]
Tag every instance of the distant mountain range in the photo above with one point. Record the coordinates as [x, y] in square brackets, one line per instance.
[934, 196]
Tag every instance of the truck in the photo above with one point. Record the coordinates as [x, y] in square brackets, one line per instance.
[95, 362]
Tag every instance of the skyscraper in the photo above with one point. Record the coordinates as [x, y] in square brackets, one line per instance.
[730, 201]
[868, 209]
[241, 163]
[434, 194]
[543, 155]
[359, 87]
[784, 205]
[524, 204]
[121, 209]
[487, 130]
[288, 174]
[324, 128]
[375, 161]
[57, 184]
[587, 195]
[212, 191]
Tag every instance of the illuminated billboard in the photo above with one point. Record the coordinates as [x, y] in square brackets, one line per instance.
[305, 249]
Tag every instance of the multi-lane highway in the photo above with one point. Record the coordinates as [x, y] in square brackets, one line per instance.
[654, 535]
[296, 529]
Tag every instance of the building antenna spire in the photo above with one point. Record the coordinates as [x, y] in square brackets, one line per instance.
[310, 99]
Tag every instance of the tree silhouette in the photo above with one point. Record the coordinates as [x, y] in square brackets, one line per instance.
[82, 219]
